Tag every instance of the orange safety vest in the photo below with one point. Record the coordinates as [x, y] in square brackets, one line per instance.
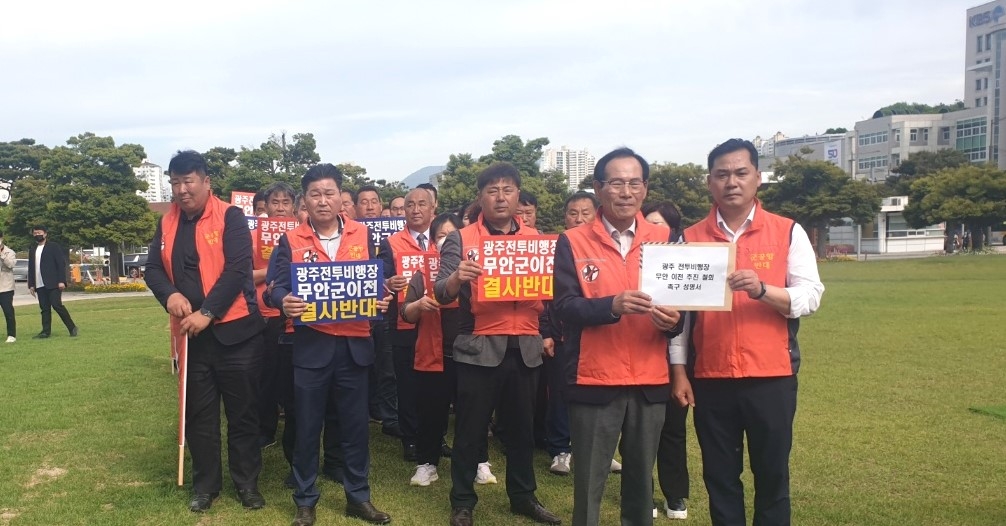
[511, 318]
[753, 339]
[267, 311]
[353, 246]
[209, 245]
[401, 242]
[631, 351]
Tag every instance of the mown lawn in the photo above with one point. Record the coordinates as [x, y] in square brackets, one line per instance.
[893, 363]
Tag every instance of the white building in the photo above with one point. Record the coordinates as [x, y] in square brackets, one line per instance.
[836, 148]
[766, 147]
[888, 233]
[158, 190]
[983, 69]
[576, 164]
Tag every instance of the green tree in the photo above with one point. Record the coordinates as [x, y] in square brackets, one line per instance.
[19, 159]
[219, 168]
[253, 169]
[835, 130]
[458, 182]
[818, 194]
[923, 164]
[85, 193]
[682, 184]
[524, 155]
[974, 195]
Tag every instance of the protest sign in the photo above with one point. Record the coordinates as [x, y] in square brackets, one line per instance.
[245, 201]
[267, 237]
[409, 263]
[338, 292]
[382, 228]
[688, 276]
[514, 268]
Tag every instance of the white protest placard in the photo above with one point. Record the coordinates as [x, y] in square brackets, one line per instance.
[688, 276]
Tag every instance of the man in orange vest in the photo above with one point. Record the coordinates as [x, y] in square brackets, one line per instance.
[330, 360]
[743, 363]
[615, 353]
[498, 354]
[200, 268]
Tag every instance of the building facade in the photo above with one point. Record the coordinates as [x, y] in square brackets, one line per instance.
[576, 164]
[888, 233]
[836, 148]
[157, 190]
[766, 147]
[983, 71]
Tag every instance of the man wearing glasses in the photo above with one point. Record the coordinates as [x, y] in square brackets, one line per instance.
[615, 352]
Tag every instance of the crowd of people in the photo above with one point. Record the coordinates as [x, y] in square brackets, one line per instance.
[598, 370]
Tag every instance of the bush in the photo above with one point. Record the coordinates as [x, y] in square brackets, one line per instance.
[121, 287]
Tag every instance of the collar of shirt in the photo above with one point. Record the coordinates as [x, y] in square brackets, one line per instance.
[338, 231]
[186, 219]
[415, 235]
[731, 235]
[494, 232]
[614, 231]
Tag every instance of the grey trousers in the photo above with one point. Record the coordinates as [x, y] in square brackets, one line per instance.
[594, 432]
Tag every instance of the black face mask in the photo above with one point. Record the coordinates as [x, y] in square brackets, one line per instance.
[40, 238]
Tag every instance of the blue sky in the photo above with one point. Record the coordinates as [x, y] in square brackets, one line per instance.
[398, 85]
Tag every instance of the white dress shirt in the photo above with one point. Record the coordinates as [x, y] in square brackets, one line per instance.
[803, 283]
[415, 236]
[622, 239]
[331, 244]
[38, 267]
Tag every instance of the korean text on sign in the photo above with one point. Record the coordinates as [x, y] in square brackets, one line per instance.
[338, 292]
[244, 201]
[267, 237]
[691, 275]
[516, 268]
[382, 228]
[409, 263]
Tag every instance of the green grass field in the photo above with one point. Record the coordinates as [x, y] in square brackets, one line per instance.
[893, 362]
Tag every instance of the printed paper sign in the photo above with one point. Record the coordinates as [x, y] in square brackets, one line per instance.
[688, 276]
[338, 292]
[245, 201]
[252, 222]
[409, 263]
[382, 228]
[267, 237]
[432, 269]
[514, 268]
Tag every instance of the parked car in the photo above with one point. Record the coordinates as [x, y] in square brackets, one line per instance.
[21, 270]
[134, 265]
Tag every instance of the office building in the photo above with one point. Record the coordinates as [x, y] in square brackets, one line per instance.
[157, 189]
[576, 164]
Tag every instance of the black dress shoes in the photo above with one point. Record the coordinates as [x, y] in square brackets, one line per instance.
[367, 512]
[305, 516]
[392, 430]
[461, 517]
[40, 335]
[533, 510]
[445, 450]
[251, 499]
[74, 331]
[201, 502]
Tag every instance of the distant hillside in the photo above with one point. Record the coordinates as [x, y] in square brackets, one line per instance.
[421, 176]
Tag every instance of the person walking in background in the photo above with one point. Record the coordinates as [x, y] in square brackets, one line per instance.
[7, 260]
[47, 279]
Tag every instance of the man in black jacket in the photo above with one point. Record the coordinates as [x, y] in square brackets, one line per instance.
[47, 279]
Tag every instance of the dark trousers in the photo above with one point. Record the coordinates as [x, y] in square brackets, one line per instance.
[383, 397]
[556, 414]
[672, 454]
[342, 383]
[333, 449]
[51, 299]
[7, 303]
[407, 392]
[433, 400]
[762, 409]
[230, 372]
[480, 389]
[270, 382]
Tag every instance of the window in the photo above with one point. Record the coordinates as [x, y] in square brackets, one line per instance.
[873, 138]
[945, 133]
[925, 134]
[865, 164]
[913, 134]
[895, 159]
[978, 84]
[985, 83]
[979, 43]
[897, 135]
[988, 42]
[978, 102]
[985, 101]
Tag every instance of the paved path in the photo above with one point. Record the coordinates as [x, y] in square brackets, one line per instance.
[23, 297]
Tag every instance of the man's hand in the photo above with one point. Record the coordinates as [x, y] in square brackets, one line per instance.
[681, 388]
[293, 306]
[745, 280]
[62, 286]
[32, 291]
[396, 283]
[426, 304]
[549, 347]
[631, 302]
[195, 323]
[382, 305]
[664, 317]
[178, 305]
[468, 270]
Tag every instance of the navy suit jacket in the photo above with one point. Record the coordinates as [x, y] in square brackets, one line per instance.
[52, 265]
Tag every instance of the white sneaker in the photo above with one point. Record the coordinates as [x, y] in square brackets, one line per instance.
[616, 467]
[560, 464]
[676, 509]
[483, 475]
[425, 474]
[11, 339]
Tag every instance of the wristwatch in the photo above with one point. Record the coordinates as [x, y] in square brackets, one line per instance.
[206, 312]
[762, 293]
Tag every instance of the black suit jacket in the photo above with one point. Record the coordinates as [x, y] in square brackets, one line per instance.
[52, 265]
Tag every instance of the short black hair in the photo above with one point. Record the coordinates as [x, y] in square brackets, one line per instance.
[259, 196]
[367, 188]
[579, 196]
[352, 194]
[619, 153]
[527, 199]
[498, 171]
[444, 218]
[731, 146]
[319, 172]
[40, 227]
[279, 187]
[429, 187]
[667, 210]
[185, 162]
[474, 210]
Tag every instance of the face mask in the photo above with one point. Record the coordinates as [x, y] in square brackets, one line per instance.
[40, 238]
[440, 243]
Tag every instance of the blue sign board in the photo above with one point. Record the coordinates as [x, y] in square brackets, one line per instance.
[338, 292]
